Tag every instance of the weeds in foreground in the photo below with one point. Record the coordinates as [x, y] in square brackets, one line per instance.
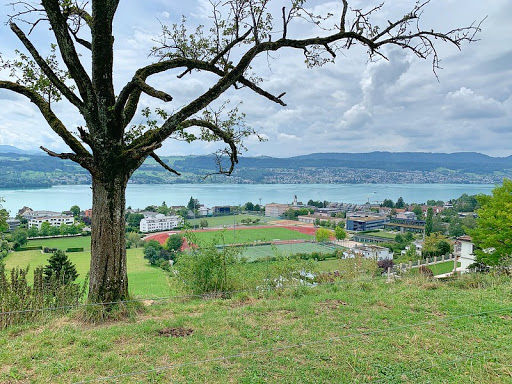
[21, 302]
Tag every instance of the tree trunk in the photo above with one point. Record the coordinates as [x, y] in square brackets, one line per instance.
[108, 279]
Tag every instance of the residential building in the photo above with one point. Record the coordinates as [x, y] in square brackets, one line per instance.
[463, 249]
[275, 210]
[160, 222]
[205, 211]
[55, 221]
[30, 214]
[371, 252]
[13, 224]
[366, 223]
[406, 215]
[88, 213]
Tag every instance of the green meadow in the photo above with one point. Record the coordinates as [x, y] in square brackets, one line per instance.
[412, 330]
[143, 279]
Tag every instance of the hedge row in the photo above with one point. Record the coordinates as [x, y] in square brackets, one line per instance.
[30, 248]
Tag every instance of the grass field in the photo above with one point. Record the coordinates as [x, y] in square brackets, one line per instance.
[261, 251]
[228, 220]
[63, 243]
[244, 236]
[408, 331]
[440, 268]
[143, 279]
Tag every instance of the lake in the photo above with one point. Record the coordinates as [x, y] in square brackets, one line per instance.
[62, 197]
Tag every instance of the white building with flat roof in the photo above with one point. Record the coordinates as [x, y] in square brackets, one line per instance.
[55, 221]
[160, 223]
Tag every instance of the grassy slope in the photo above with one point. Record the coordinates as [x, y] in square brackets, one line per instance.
[248, 235]
[393, 350]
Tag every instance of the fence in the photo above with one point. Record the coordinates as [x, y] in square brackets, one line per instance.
[404, 267]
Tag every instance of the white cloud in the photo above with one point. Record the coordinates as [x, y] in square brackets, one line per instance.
[466, 104]
[351, 105]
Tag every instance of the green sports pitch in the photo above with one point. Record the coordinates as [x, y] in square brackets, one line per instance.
[261, 251]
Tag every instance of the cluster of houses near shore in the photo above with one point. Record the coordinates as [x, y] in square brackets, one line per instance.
[359, 219]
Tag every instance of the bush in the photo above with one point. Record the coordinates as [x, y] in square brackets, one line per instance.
[49, 250]
[209, 270]
[81, 249]
[385, 264]
[30, 248]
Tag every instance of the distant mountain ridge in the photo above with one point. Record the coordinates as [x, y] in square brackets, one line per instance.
[20, 168]
[12, 149]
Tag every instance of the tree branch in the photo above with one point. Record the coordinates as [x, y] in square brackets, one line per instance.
[83, 157]
[68, 52]
[68, 94]
[149, 90]
[225, 136]
[159, 161]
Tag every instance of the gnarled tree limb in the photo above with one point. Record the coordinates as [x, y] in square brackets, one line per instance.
[63, 89]
[83, 156]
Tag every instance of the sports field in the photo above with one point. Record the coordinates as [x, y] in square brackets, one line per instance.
[246, 236]
[228, 220]
[262, 251]
[242, 235]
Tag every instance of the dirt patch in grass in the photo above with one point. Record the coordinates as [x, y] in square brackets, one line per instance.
[243, 302]
[332, 304]
[176, 332]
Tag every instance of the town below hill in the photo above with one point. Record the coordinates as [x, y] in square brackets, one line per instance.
[20, 169]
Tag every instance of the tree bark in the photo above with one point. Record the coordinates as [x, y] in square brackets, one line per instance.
[108, 277]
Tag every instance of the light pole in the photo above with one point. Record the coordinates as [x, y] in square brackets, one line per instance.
[234, 223]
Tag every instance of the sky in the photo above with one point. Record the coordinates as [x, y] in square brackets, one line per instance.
[350, 106]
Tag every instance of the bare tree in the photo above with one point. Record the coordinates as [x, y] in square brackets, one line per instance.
[111, 148]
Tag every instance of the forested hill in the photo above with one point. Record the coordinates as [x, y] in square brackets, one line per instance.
[21, 169]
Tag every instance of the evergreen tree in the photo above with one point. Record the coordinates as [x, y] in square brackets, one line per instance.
[59, 266]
